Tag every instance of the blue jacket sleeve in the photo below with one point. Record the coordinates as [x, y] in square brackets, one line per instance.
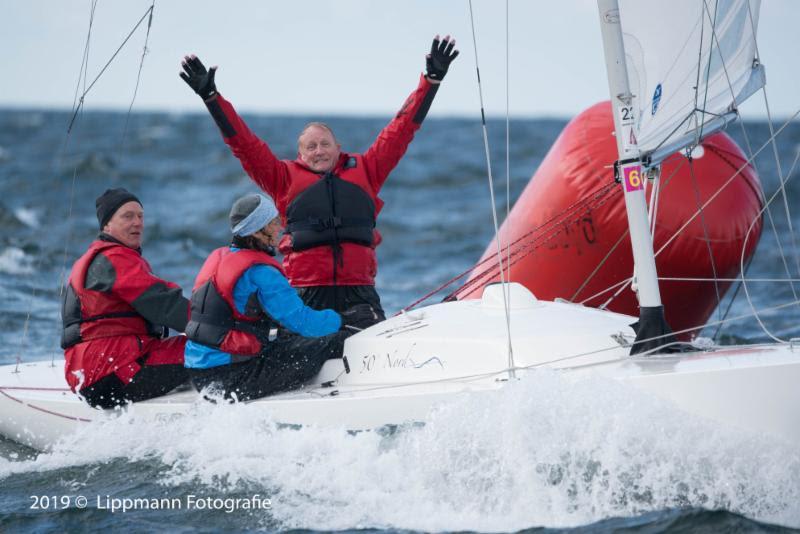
[281, 302]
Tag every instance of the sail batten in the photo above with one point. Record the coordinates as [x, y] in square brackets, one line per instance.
[690, 64]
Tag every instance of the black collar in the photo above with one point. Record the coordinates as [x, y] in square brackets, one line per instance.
[102, 236]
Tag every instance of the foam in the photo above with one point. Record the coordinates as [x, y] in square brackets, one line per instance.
[28, 216]
[14, 261]
[549, 450]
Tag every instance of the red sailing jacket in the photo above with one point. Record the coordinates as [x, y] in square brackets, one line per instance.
[283, 180]
[103, 333]
[219, 325]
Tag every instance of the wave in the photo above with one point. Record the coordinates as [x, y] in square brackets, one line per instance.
[549, 450]
[15, 261]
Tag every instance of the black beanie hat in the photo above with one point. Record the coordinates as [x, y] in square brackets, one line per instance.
[109, 202]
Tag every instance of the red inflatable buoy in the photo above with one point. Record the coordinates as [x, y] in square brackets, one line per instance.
[568, 230]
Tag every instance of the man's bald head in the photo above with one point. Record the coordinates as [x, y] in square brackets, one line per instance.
[317, 147]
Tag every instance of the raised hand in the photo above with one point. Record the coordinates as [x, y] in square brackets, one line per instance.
[198, 78]
[438, 61]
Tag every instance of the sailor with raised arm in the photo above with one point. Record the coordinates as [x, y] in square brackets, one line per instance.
[327, 199]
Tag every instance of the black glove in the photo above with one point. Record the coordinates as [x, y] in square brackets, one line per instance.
[198, 78]
[359, 316]
[438, 61]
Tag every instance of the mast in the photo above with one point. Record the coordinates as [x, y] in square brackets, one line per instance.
[629, 171]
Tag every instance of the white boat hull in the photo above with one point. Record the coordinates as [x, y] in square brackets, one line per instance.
[401, 368]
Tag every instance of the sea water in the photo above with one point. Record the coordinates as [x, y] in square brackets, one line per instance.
[549, 451]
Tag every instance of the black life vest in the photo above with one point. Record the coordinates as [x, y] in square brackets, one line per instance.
[329, 212]
[88, 314]
[214, 320]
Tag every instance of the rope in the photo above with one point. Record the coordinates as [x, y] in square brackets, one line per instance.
[738, 287]
[108, 63]
[498, 373]
[139, 74]
[705, 229]
[77, 109]
[777, 160]
[722, 154]
[556, 220]
[738, 279]
[738, 171]
[470, 286]
[620, 240]
[710, 199]
[508, 159]
[746, 237]
[491, 189]
[57, 165]
[699, 133]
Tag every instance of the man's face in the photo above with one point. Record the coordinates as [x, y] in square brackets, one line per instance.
[318, 149]
[127, 225]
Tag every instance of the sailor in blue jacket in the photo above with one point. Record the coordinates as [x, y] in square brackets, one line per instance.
[240, 296]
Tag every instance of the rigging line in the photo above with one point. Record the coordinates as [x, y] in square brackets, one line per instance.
[755, 167]
[622, 237]
[606, 290]
[508, 158]
[697, 198]
[619, 291]
[780, 172]
[708, 66]
[471, 285]
[737, 279]
[699, 66]
[85, 59]
[139, 74]
[651, 209]
[600, 265]
[55, 167]
[553, 222]
[657, 194]
[777, 159]
[727, 76]
[746, 137]
[783, 191]
[615, 347]
[744, 246]
[738, 171]
[736, 318]
[738, 283]
[781, 252]
[491, 189]
[630, 280]
[775, 147]
[108, 63]
[522, 245]
[543, 238]
[667, 137]
[79, 109]
[662, 336]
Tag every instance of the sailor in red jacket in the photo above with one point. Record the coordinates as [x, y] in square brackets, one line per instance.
[115, 312]
[327, 199]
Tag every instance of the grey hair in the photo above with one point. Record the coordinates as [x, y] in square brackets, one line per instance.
[317, 125]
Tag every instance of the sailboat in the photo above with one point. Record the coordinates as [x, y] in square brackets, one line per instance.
[677, 73]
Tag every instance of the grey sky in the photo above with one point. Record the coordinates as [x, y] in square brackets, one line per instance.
[342, 57]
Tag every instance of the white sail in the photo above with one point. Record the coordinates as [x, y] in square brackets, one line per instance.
[687, 55]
